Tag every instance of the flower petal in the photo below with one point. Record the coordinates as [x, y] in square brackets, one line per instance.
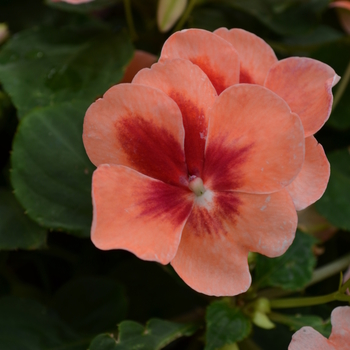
[193, 92]
[340, 320]
[214, 55]
[266, 223]
[139, 127]
[307, 338]
[256, 56]
[312, 180]
[137, 213]
[210, 259]
[141, 59]
[255, 144]
[306, 85]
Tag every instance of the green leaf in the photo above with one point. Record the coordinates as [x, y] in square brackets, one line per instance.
[91, 305]
[226, 324]
[45, 66]
[133, 336]
[17, 231]
[27, 325]
[321, 35]
[337, 56]
[51, 173]
[335, 203]
[290, 17]
[292, 270]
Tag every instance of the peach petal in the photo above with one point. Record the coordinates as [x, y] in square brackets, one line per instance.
[139, 127]
[307, 338]
[193, 92]
[340, 319]
[260, 149]
[214, 55]
[266, 223]
[141, 59]
[209, 258]
[138, 213]
[306, 85]
[256, 56]
[312, 180]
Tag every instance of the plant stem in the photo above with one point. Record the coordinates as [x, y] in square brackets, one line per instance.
[297, 302]
[329, 270]
[185, 15]
[342, 86]
[129, 20]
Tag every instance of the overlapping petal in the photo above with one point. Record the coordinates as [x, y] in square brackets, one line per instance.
[256, 57]
[214, 55]
[308, 339]
[193, 92]
[137, 213]
[306, 85]
[260, 149]
[312, 180]
[146, 135]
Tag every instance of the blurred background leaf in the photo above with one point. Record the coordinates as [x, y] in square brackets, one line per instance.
[335, 203]
[16, 229]
[27, 325]
[91, 305]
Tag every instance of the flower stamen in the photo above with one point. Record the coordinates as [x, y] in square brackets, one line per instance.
[196, 185]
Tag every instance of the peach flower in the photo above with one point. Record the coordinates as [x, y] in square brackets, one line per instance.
[343, 9]
[305, 84]
[192, 178]
[307, 338]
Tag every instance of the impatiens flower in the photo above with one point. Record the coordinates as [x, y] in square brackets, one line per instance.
[192, 178]
[307, 338]
[343, 9]
[235, 56]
